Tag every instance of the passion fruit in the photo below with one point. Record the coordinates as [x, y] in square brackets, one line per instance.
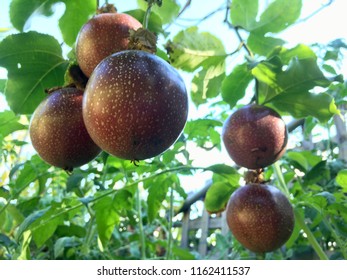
[135, 105]
[58, 133]
[255, 136]
[101, 36]
[260, 217]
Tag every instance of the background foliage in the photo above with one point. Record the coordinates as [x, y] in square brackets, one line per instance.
[111, 209]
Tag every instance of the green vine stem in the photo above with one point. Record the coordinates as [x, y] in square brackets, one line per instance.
[110, 192]
[244, 45]
[280, 178]
[298, 218]
[330, 225]
[89, 235]
[310, 237]
[141, 230]
[169, 242]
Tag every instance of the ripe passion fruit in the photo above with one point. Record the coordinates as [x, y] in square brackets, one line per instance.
[255, 136]
[260, 217]
[58, 133]
[135, 105]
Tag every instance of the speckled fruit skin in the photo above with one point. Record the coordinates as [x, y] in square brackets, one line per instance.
[58, 133]
[260, 217]
[102, 36]
[255, 136]
[135, 105]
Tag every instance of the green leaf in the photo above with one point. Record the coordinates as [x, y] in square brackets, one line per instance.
[155, 23]
[123, 200]
[168, 11]
[278, 16]
[230, 173]
[243, 13]
[44, 227]
[330, 69]
[222, 169]
[182, 254]
[341, 179]
[28, 206]
[30, 172]
[41, 224]
[29, 221]
[2, 85]
[318, 172]
[191, 49]
[71, 230]
[21, 10]
[207, 83]
[300, 105]
[331, 55]
[106, 218]
[329, 197]
[74, 182]
[61, 244]
[299, 158]
[289, 90]
[261, 44]
[300, 51]
[157, 193]
[217, 197]
[4, 193]
[34, 63]
[9, 123]
[25, 177]
[5, 240]
[235, 84]
[76, 13]
[266, 72]
[25, 247]
[203, 132]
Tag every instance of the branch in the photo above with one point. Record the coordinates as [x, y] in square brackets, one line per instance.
[198, 21]
[315, 12]
[185, 7]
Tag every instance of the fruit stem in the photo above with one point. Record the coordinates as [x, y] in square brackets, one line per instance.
[313, 241]
[147, 14]
[256, 95]
[169, 242]
[141, 231]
